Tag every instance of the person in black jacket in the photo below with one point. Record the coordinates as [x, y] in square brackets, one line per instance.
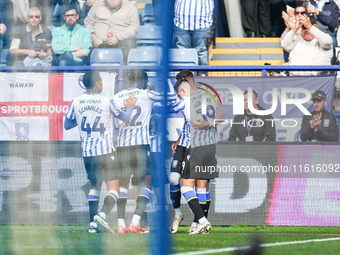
[320, 125]
[251, 127]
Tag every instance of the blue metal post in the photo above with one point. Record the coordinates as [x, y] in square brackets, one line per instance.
[160, 237]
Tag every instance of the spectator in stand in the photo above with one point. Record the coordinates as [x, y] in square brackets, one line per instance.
[326, 13]
[21, 8]
[113, 24]
[251, 130]
[321, 125]
[82, 7]
[196, 33]
[312, 46]
[6, 9]
[72, 42]
[255, 16]
[31, 42]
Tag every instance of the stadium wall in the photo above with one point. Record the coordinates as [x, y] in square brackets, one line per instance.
[260, 184]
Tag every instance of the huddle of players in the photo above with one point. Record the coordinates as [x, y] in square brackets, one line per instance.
[132, 107]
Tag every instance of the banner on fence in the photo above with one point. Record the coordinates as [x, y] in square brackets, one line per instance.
[33, 105]
[266, 184]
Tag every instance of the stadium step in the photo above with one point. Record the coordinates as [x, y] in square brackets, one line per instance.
[247, 51]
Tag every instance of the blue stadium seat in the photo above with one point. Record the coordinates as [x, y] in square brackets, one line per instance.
[148, 16]
[106, 57]
[57, 18]
[4, 55]
[183, 57]
[144, 56]
[149, 35]
[148, 56]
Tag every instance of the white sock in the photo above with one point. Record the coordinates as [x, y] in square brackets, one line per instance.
[135, 220]
[121, 223]
[103, 215]
[121, 189]
[202, 220]
[93, 224]
[194, 225]
[178, 212]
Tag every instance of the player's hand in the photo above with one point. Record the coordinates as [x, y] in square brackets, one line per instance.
[32, 53]
[112, 40]
[42, 55]
[96, 41]
[77, 48]
[174, 146]
[131, 102]
[201, 125]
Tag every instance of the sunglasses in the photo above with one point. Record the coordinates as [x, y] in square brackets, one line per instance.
[34, 16]
[302, 13]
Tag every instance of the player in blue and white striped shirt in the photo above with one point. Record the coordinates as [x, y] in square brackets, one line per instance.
[193, 21]
[133, 144]
[202, 152]
[92, 113]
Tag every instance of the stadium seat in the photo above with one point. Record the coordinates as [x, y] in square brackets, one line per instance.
[149, 56]
[106, 57]
[183, 57]
[149, 35]
[4, 56]
[148, 16]
[57, 18]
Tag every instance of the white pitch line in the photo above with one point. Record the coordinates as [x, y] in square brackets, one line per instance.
[262, 245]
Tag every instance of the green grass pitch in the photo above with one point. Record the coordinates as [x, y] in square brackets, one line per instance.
[64, 240]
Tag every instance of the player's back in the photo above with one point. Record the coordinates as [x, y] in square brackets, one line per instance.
[92, 112]
[205, 136]
[136, 130]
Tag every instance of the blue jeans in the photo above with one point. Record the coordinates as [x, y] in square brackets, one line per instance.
[197, 39]
[335, 41]
[67, 59]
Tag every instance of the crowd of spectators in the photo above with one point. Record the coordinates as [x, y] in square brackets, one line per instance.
[63, 32]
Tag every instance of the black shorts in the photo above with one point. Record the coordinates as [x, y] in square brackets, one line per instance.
[176, 163]
[201, 163]
[101, 168]
[133, 160]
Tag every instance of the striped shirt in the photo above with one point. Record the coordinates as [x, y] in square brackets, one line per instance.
[206, 136]
[192, 110]
[193, 14]
[180, 106]
[155, 137]
[93, 116]
[136, 131]
[185, 136]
